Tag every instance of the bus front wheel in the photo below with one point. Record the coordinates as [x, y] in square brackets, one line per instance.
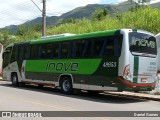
[66, 85]
[15, 80]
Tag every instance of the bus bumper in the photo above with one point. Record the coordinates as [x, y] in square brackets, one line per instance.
[124, 85]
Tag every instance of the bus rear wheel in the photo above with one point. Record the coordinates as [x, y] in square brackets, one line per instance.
[66, 86]
[14, 79]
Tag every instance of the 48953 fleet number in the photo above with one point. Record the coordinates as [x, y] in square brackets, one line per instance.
[109, 64]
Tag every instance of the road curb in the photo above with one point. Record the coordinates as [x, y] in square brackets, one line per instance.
[136, 95]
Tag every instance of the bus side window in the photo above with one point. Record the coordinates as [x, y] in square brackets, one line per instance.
[46, 51]
[86, 51]
[98, 44]
[43, 51]
[34, 52]
[14, 53]
[20, 52]
[107, 48]
[49, 51]
[73, 49]
[65, 50]
[26, 52]
[55, 50]
[70, 54]
[77, 49]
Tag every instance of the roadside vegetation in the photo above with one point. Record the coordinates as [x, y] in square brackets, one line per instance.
[145, 18]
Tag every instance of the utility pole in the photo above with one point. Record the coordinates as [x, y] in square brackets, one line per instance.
[44, 18]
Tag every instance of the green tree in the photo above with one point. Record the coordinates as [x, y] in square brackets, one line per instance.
[6, 37]
[136, 7]
[5, 34]
[22, 30]
[100, 14]
[139, 4]
[26, 33]
[69, 20]
[37, 27]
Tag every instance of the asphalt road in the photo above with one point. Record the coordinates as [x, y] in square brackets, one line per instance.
[32, 98]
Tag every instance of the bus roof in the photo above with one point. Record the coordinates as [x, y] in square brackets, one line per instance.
[70, 37]
[76, 36]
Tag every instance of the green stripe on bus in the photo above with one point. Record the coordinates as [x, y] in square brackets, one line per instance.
[70, 66]
[136, 66]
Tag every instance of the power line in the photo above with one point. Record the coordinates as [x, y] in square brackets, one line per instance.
[10, 12]
[54, 13]
[17, 6]
[25, 4]
[43, 16]
[36, 6]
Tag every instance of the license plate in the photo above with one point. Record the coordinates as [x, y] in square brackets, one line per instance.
[143, 79]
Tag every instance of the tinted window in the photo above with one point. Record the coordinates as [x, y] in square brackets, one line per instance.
[141, 44]
[86, 48]
[26, 52]
[14, 54]
[56, 51]
[34, 52]
[65, 50]
[46, 51]
[20, 52]
[98, 47]
[107, 46]
[77, 48]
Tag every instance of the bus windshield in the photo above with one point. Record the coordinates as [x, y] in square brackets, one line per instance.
[142, 44]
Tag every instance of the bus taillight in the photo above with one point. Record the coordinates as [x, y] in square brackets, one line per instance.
[126, 73]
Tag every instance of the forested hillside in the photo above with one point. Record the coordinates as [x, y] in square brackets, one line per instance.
[146, 18]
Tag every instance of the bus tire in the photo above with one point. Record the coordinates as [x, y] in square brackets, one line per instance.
[66, 85]
[93, 92]
[14, 79]
[40, 86]
[136, 91]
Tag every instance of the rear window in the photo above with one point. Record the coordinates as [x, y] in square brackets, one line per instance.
[142, 44]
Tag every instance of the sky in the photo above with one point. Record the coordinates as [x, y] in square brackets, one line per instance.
[14, 12]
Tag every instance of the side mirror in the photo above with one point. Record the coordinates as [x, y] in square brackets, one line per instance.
[5, 52]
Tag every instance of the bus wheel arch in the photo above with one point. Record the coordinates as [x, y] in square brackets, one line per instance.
[66, 84]
[14, 79]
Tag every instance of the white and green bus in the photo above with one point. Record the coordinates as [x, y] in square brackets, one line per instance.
[112, 60]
